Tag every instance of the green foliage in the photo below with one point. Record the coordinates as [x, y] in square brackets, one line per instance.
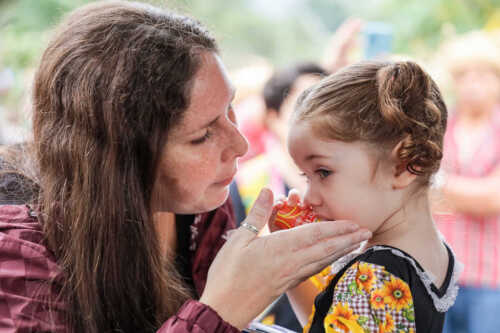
[281, 31]
[25, 26]
[244, 30]
[420, 27]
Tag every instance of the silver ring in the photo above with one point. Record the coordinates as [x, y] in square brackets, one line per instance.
[250, 227]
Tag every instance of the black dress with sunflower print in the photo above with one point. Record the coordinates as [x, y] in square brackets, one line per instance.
[383, 290]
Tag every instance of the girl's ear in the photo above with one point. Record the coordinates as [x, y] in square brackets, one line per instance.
[401, 177]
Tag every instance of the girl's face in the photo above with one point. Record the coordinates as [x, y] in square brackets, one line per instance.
[200, 158]
[345, 180]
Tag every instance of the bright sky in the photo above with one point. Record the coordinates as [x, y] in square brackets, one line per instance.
[276, 8]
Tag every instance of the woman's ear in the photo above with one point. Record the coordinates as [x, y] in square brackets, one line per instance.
[401, 177]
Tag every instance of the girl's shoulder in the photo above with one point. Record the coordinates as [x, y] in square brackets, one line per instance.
[383, 264]
[381, 290]
[392, 259]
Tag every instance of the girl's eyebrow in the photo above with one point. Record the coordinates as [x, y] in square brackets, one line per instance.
[315, 156]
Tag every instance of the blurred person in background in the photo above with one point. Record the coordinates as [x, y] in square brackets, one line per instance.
[249, 105]
[468, 202]
[342, 44]
[249, 110]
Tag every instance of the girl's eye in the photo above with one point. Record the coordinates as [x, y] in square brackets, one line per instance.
[323, 173]
[204, 138]
[303, 174]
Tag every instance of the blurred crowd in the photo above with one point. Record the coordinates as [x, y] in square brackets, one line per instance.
[466, 192]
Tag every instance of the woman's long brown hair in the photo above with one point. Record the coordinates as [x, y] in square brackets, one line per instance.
[112, 82]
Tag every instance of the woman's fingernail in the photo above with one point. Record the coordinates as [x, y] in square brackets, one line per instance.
[366, 234]
[353, 227]
[264, 196]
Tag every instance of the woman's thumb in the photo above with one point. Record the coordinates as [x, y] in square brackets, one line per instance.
[261, 210]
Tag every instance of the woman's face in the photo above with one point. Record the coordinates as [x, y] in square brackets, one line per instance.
[200, 158]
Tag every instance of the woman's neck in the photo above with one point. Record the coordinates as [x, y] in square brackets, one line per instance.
[412, 229]
[166, 230]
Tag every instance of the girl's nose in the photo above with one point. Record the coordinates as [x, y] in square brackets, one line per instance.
[311, 197]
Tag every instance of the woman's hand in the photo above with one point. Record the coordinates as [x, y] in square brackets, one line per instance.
[250, 272]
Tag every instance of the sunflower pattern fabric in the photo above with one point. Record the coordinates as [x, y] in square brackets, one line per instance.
[367, 298]
[382, 289]
[323, 278]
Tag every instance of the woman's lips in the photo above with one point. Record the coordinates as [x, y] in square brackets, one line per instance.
[226, 181]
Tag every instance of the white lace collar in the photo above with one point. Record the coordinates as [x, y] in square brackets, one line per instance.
[443, 303]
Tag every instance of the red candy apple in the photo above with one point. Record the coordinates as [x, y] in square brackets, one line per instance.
[291, 216]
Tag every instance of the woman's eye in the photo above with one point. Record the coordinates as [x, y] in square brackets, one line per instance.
[204, 138]
[323, 173]
[231, 114]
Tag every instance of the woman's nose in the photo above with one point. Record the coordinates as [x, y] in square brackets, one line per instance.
[238, 144]
[241, 144]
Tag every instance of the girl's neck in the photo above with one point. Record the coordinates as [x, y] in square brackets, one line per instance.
[410, 222]
[412, 229]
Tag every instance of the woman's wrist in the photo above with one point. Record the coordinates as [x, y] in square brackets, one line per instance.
[204, 316]
[226, 310]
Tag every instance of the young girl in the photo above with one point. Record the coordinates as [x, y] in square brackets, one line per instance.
[368, 139]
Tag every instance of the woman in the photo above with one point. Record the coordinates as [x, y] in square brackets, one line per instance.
[135, 145]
